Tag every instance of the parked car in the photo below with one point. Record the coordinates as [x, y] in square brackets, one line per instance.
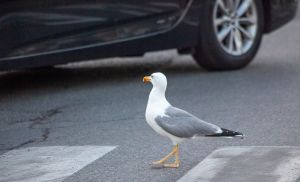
[221, 34]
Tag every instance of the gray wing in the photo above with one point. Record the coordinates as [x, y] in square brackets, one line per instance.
[184, 125]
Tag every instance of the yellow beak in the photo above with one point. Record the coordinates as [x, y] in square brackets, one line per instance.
[147, 79]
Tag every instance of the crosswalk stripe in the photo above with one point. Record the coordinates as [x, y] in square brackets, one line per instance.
[50, 163]
[247, 164]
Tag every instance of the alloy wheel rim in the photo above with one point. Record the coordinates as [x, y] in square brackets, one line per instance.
[235, 25]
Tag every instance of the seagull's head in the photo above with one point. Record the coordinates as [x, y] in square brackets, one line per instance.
[158, 80]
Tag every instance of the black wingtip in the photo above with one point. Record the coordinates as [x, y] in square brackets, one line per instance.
[227, 133]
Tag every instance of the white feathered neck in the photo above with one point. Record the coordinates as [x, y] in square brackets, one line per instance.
[157, 101]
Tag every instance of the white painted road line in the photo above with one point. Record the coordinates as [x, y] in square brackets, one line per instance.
[51, 163]
[248, 164]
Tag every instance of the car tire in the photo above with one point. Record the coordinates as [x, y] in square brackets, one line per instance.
[235, 50]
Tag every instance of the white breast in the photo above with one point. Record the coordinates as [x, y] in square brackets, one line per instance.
[152, 111]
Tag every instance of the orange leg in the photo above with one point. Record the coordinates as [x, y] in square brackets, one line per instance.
[172, 165]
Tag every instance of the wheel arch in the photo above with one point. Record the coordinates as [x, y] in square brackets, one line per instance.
[267, 15]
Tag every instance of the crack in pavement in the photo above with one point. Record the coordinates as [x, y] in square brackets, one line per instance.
[45, 135]
[19, 145]
[39, 120]
[43, 117]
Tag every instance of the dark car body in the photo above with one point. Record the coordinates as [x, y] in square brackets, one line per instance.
[47, 32]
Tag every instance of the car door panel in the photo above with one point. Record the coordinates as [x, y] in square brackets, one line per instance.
[32, 27]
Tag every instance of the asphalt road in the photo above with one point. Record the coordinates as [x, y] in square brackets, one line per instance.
[103, 103]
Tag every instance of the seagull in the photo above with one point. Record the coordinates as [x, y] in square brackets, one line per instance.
[174, 123]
